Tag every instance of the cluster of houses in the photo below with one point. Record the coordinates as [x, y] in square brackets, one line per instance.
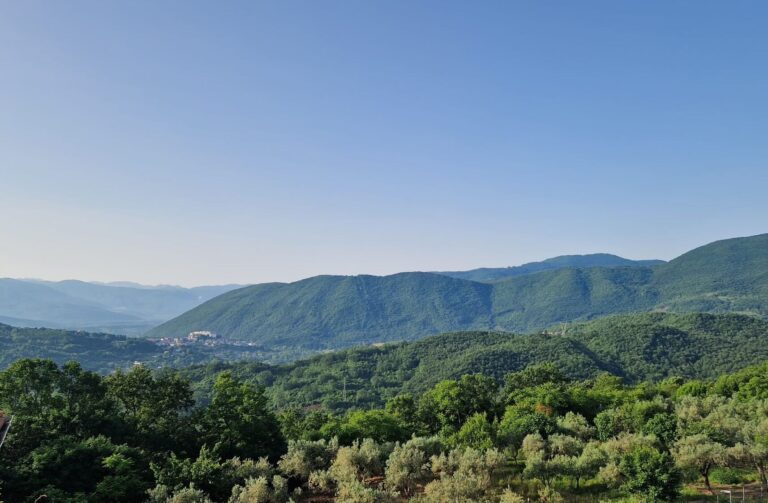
[204, 337]
[201, 338]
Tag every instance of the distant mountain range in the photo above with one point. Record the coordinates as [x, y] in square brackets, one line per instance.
[331, 312]
[490, 274]
[129, 308]
[117, 308]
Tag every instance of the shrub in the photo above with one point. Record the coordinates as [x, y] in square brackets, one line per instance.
[549, 495]
[320, 480]
[189, 495]
[476, 432]
[406, 468]
[258, 490]
[358, 461]
[305, 456]
[355, 491]
[510, 497]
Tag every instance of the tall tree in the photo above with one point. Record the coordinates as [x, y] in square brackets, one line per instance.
[238, 422]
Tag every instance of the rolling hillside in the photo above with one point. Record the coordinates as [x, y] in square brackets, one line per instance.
[491, 274]
[330, 312]
[728, 275]
[327, 312]
[637, 347]
[539, 300]
[107, 352]
[341, 311]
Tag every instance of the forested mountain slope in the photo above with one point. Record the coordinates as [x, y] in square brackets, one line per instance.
[728, 275]
[491, 274]
[338, 311]
[539, 300]
[637, 347]
[341, 311]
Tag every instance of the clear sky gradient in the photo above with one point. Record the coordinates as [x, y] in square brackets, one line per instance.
[211, 142]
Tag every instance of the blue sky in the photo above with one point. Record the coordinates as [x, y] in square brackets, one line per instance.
[211, 142]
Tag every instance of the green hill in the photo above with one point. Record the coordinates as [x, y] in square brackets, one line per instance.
[491, 274]
[341, 311]
[102, 352]
[329, 312]
[540, 300]
[106, 352]
[728, 275]
[637, 347]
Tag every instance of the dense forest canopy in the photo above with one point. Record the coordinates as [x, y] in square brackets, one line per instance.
[140, 436]
[636, 347]
[491, 274]
[649, 346]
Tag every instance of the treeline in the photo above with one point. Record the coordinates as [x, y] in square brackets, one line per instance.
[638, 348]
[140, 436]
[77, 436]
[105, 353]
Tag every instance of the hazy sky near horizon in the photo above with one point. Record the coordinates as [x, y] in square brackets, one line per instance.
[198, 142]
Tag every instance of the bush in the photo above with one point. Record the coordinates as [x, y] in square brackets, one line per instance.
[320, 480]
[464, 475]
[406, 468]
[549, 495]
[476, 432]
[358, 461]
[510, 497]
[354, 491]
[732, 476]
[255, 491]
[305, 456]
[189, 495]
[258, 490]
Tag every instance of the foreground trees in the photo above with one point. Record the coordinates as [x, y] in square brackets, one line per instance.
[138, 435]
[80, 437]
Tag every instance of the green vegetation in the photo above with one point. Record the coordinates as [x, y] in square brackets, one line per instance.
[534, 435]
[105, 352]
[728, 275]
[637, 347]
[80, 437]
[492, 274]
[331, 312]
[649, 346]
[101, 352]
[336, 311]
